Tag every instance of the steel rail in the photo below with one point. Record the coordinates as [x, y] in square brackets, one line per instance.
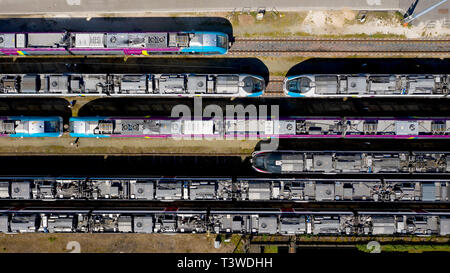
[301, 46]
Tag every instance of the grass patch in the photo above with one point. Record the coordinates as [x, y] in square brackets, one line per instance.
[270, 249]
[272, 24]
[267, 34]
[284, 26]
[51, 239]
[377, 35]
[288, 19]
[278, 73]
[389, 16]
[236, 240]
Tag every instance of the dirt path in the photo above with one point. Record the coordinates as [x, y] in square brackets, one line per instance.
[112, 243]
[18, 146]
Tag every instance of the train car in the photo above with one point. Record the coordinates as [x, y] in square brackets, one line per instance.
[343, 190]
[156, 127]
[284, 127]
[225, 189]
[257, 222]
[332, 162]
[113, 43]
[19, 126]
[122, 85]
[367, 85]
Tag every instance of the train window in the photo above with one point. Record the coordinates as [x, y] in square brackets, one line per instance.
[222, 41]
[300, 85]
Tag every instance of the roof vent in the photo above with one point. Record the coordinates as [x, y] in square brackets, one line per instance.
[113, 39]
[17, 190]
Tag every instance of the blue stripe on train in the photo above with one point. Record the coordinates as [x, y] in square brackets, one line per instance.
[50, 134]
[257, 94]
[293, 94]
[36, 135]
[88, 135]
[205, 49]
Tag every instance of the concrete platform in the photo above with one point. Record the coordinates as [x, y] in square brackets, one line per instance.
[118, 6]
[88, 8]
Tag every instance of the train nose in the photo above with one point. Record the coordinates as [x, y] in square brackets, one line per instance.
[261, 84]
[258, 162]
[258, 85]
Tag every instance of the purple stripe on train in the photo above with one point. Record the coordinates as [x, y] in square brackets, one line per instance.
[125, 50]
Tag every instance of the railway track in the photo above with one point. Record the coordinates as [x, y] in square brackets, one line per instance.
[275, 87]
[323, 47]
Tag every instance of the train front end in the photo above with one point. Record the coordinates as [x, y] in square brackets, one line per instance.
[266, 162]
[251, 85]
[299, 86]
[208, 43]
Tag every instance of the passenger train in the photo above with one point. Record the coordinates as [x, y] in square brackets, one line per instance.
[222, 85]
[113, 43]
[367, 85]
[284, 127]
[119, 85]
[225, 189]
[332, 162]
[20, 126]
[254, 222]
[228, 128]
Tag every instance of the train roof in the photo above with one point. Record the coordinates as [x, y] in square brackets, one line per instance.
[368, 84]
[153, 40]
[31, 126]
[241, 189]
[132, 84]
[444, 226]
